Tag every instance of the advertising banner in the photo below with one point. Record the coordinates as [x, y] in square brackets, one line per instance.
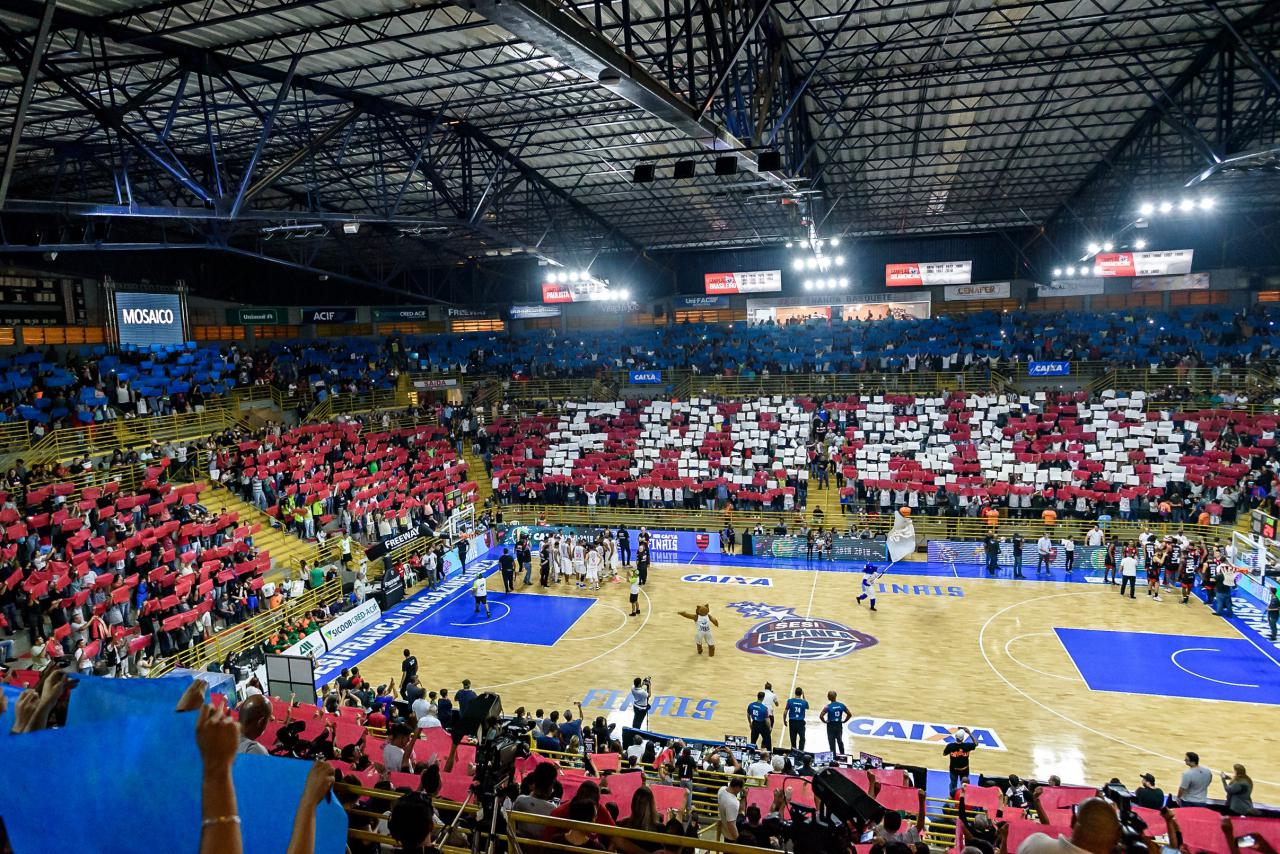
[750, 282]
[345, 625]
[990, 290]
[257, 316]
[457, 313]
[914, 274]
[144, 319]
[972, 552]
[553, 292]
[1191, 282]
[1071, 288]
[1048, 369]
[530, 312]
[401, 315]
[329, 315]
[311, 646]
[1170, 262]
[845, 548]
[868, 311]
[699, 302]
[646, 377]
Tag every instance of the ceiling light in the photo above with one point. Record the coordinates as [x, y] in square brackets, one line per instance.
[1146, 209]
[839, 260]
[835, 241]
[808, 284]
[1165, 207]
[1057, 271]
[844, 283]
[1071, 271]
[789, 244]
[1094, 249]
[351, 227]
[811, 264]
[1139, 244]
[798, 264]
[1206, 204]
[1186, 205]
[1107, 247]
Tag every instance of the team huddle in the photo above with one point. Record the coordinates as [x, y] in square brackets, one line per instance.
[1172, 562]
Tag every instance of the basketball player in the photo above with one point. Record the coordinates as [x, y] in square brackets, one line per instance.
[702, 621]
[1159, 560]
[760, 719]
[593, 564]
[869, 578]
[562, 557]
[834, 714]
[579, 561]
[1191, 561]
[480, 590]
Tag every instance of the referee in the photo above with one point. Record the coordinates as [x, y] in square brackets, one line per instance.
[761, 721]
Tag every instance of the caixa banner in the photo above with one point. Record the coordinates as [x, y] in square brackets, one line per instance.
[1048, 369]
[659, 541]
[646, 377]
[843, 547]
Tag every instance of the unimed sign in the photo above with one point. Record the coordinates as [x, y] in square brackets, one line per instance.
[144, 319]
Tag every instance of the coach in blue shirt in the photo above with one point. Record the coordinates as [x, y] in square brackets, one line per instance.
[797, 709]
[761, 722]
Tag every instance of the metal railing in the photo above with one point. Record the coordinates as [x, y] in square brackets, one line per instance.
[241, 636]
[927, 527]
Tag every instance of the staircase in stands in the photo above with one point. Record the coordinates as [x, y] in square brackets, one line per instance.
[286, 550]
[475, 471]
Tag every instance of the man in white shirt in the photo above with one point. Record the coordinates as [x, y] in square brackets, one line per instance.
[254, 714]
[1094, 537]
[1044, 548]
[1068, 552]
[761, 766]
[1128, 574]
[1193, 789]
[728, 808]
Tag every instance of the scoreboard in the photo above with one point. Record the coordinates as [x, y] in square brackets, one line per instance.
[37, 300]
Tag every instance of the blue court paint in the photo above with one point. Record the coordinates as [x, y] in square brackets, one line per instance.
[513, 618]
[1173, 665]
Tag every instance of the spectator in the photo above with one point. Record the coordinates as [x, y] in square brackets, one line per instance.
[1147, 795]
[1239, 791]
[255, 714]
[1194, 787]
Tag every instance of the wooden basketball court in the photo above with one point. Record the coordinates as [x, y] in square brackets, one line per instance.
[1055, 677]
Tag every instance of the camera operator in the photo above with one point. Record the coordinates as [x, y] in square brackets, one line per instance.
[641, 689]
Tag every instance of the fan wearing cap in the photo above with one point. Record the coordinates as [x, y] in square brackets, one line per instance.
[1147, 795]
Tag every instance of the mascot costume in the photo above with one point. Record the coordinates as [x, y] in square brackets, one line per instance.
[702, 621]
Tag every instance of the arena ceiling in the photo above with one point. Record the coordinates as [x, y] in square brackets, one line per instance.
[439, 132]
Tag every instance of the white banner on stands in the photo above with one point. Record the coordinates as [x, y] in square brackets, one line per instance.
[990, 290]
[346, 625]
[312, 645]
[1071, 288]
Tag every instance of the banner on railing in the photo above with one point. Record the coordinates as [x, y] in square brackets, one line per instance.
[1048, 369]
[416, 314]
[973, 552]
[843, 547]
[274, 316]
[329, 314]
[707, 302]
[989, 290]
[1071, 288]
[915, 274]
[1190, 282]
[646, 378]
[534, 311]
[346, 625]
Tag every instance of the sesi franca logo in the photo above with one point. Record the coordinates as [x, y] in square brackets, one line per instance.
[785, 634]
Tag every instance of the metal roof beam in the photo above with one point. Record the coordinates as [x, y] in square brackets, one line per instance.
[582, 48]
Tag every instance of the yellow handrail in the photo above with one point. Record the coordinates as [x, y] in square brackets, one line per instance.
[927, 527]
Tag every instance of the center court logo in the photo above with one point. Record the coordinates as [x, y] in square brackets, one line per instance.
[787, 635]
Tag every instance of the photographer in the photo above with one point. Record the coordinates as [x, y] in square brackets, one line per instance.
[641, 690]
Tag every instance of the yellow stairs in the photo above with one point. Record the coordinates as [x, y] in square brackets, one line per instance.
[286, 550]
[475, 471]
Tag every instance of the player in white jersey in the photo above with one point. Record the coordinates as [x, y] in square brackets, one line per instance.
[869, 579]
[579, 560]
[594, 563]
[702, 622]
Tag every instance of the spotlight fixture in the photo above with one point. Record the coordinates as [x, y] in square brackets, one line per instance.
[350, 228]
[844, 283]
[839, 260]
[1146, 209]
[1139, 244]
[1186, 205]
[1165, 207]
[1057, 271]
[1071, 271]
[1107, 247]
[1207, 203]
[798, 264]
[808, 284]
[789, 244]
[1094, 249]
[835, 241]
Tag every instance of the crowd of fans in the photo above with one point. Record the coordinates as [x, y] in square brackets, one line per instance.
[89, 385]
[1047, 455]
